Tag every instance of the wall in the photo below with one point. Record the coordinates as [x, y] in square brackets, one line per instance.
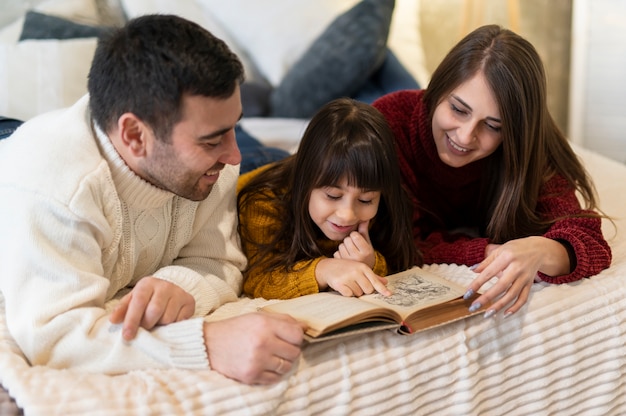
[598, 89]
[546, 24]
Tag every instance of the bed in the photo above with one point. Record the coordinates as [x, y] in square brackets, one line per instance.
[563, 353]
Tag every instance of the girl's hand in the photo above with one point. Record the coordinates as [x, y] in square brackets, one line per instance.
[349, 277]
[357, 246]
[516, 264]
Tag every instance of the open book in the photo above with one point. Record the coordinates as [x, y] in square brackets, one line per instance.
[419, 300]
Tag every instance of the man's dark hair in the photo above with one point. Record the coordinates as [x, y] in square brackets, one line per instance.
[150, 64]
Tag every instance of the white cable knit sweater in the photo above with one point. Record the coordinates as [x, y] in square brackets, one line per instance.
[77, 226]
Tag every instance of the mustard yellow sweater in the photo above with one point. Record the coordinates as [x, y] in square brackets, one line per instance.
[261, 222]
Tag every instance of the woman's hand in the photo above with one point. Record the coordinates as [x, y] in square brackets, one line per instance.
[515, 264]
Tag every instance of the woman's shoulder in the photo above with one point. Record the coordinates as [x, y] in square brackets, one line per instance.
[399, 99]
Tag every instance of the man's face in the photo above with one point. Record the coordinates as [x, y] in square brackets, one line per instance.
[201, 144]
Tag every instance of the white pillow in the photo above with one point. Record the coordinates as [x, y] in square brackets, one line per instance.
[191, 10]
[82, 11]
[275, 33]
[37, 76]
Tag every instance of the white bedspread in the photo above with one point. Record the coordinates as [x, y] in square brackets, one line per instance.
[563, 353]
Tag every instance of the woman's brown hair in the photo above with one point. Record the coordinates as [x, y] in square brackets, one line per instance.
[533, 147]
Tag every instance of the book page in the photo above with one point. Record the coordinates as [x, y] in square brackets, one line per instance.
[328, 310]
[415, 289]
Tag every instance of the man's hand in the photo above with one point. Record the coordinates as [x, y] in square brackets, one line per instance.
[256, 348]
[152, 302]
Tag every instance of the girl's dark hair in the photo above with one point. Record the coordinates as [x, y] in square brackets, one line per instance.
[533, 148]
[345, 139]
[150, 64]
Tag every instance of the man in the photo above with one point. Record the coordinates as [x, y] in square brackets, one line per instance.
[119, 225]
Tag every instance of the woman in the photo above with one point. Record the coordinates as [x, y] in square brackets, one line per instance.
[492, 180]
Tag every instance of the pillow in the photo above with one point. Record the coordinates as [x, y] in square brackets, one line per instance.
[42, 26]
[191, 10]
[337, 63]
[275, 33]
[42, 75]
[255, 98]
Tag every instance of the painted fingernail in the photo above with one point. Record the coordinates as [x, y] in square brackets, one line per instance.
[472, 268]
[468, 294]
[489, 313]
[507, 314]
[475, 306]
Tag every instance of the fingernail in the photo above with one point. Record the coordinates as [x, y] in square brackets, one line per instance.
[468, 294]
[507, 314]
[475, 306]
[489, 313]
[472, 268]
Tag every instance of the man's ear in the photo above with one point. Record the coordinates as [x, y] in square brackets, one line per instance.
[134, 134]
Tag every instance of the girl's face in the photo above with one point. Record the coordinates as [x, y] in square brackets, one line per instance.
[338, 210]
[466, 124]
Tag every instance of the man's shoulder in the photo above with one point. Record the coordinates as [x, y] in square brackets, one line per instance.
[51, 153]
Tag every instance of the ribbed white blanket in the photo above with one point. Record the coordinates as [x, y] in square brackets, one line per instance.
[564, 353]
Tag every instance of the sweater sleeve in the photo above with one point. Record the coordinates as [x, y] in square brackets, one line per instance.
[55, 296]
[441, 247]
[580, 229]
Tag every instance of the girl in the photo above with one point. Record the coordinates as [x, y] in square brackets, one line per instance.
[332, 216]
[492, 179]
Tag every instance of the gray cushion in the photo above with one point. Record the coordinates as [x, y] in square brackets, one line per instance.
[339, 61]
[43, 26]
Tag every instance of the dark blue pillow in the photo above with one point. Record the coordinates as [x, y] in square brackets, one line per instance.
[43, 26]
[337, 64]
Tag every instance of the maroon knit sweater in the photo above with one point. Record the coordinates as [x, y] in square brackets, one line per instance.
[446, 198]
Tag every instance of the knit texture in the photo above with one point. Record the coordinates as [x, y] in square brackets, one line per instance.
[446, 198]
[79, 228]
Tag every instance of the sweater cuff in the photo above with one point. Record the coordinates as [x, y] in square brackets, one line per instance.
[209, 292]
[186, 343]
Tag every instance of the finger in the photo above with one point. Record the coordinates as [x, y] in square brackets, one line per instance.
[185, 312]
[118, 314]
[378, 284]
[350, 243]
[522, 298]
[480, 267]
[283, 367]
[343, 250]
[134, 314]
[363, 229]
[154, 310]
[348, 289]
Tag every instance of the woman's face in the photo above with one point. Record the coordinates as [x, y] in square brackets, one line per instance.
[466, 124]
